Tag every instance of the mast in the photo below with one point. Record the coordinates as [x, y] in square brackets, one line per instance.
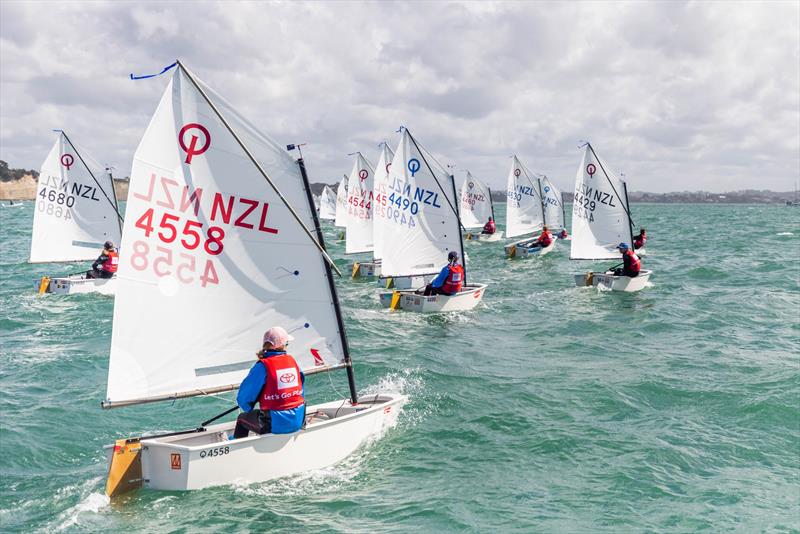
[351, 379]
[491, 203]
[627, 210]
[116, 202]
[113, 204]
[460, 235]
[541, 201]
[255, 162]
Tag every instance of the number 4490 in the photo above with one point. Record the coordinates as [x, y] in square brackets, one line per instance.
[162, 265]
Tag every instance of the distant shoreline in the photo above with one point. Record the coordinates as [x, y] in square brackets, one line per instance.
[24, 188]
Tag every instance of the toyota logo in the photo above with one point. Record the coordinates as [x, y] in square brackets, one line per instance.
[286, 378]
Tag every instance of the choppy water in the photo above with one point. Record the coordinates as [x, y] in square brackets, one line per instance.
[549, 408]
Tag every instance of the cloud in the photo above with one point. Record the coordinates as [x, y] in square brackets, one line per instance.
[693, 95]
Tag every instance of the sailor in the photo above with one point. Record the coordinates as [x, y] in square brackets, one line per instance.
[277, 384]
[640, 240]
[105, 266]
[489, 228]
[450, 279]
[545, 240]
[631, 264]
[563, 234]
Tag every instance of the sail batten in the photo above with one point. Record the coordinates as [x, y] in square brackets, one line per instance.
[74, 215]
[212, 255]
[600, 216]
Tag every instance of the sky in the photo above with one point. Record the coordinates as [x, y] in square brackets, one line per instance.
[676, 95]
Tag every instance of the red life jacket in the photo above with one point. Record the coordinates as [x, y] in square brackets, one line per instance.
[639, 241]
[283, 387]
[632, 262]
[111, 264]
[545, 239]
[454, 280]
[489, 228]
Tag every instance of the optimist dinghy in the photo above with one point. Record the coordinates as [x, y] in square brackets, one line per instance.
[525, 212]
[246, 254]
[476, 207]
[327, 204]
[421, 227]
[76, 213]
[601, 219]
[360, 218]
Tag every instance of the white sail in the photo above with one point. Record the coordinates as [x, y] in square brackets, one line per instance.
[553, 205]
[327, 204]
[359, 207]
[379, 206]
[476, 207]
[75, 212]
[419, 224]
[600, 218]
[341, 204]
[211, 256]
[523, 204]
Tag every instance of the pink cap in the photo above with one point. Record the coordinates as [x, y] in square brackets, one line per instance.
[277, 336]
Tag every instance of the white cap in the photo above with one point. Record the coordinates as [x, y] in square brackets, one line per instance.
[277, 336]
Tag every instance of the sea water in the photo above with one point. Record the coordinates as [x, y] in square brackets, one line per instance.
[549, 408]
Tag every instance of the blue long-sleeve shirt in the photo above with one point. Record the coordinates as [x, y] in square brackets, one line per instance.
[441, 277]
[283, 421]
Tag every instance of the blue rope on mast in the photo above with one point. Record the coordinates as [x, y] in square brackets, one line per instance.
[144, 76]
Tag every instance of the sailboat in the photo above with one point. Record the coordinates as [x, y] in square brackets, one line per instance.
[379, 207]
[476, 207]
[601, 219]
[525, 212]
[554, 211]
[327, 204]
[340, 220]
[76, 213]
[359, 217]
[421, 226]
[221, 242]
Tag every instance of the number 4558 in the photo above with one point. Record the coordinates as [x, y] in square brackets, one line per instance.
[162, 265]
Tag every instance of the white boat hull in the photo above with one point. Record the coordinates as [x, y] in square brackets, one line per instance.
[406, 282]
[71, 285]
[469, 297]
[366, 269]
[200, 460]
[525, 249]
[488, 238]
[610, 282]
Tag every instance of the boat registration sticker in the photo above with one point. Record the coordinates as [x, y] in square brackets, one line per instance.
[175, 460]
[287, 378]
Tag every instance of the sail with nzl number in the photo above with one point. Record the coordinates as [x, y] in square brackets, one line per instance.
[381, 188]
[76, 207]
[420, 227]
[340, 220]
[553, 205]
[601, 220]
[476, 203]
[222, 242]
[327, 204]
[524, 214]
[359, 219]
